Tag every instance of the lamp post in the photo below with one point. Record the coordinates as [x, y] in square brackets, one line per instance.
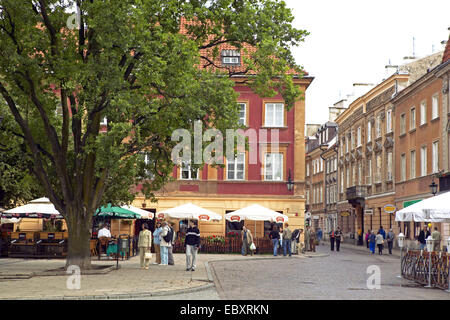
[448, 263]
[401, 239]
[429, 249]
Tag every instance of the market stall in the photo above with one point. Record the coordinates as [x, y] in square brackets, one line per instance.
[48, 243]
[122, 242]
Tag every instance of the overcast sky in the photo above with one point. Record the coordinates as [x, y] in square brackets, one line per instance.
[352, 41]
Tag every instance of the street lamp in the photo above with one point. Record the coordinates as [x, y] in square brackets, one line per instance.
[433, 187]
[290, 183]
[401, 239]
[429, 241]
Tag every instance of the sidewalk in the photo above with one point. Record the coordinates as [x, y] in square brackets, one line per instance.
[18, 280]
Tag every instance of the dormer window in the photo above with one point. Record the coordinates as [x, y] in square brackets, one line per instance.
[231, 57]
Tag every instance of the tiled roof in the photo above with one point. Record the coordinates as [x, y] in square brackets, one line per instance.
[216, 63]
[446, 55]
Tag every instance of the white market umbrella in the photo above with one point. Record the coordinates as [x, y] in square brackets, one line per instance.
[144, 213]
[434, 209]
[189, 211]
[35, 209]
[256, 212]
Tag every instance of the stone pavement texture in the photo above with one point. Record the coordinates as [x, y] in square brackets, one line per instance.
[129, 281]
[336, 276]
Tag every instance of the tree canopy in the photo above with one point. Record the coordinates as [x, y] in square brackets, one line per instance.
[148, 67]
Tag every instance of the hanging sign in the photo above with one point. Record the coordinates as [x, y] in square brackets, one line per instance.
[203, 217]
[345, 213]
[389, 208]
[235, 218]
[368, 211]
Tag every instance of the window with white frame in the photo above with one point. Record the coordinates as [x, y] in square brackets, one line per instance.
[388, 121]
[347, 145]
[342, 180]
[148, 174]
[353, 175]
[341, 147]
[242, 113]
[434, 106]
[236, 167]
[274, 116]
[104, 121]
[423, 161]
[307, 196]
[348, 177]
[273, 167]
[435, 157]
[389, 166]
[321, 165]
[187, 172]
[307, 169]
[423, 112]
[412, 119]
[378, 126]
[358, 137]
[402, 124]
[378, 168]
[403, 167]
[412, 164]
[369, 131]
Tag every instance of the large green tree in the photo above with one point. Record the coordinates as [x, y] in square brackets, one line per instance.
[128, 61]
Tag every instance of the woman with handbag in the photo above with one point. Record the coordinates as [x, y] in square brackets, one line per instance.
[144, 244]
[380, 242]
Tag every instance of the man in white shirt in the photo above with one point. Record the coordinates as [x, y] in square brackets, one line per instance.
[104, 232]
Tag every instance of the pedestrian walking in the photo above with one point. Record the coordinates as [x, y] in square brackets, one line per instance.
[312, 240]
[382, 232]
[380, 241]
[192, 243]
[423, 235]
[156, 242]
[332, 239]
[339, 237]
[247, 240]
[372, 241]
[144, 245]
[172, 242]
[307, 238]
[367, 238]
[390, 237]
[275, 237]
[319, 235]
[165, 243]
[360, 237]
[294, 240]
[287, 234]
[280, 242]
[436, 235]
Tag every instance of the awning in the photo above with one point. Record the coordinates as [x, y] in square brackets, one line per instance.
[189, 211]
[38, 208]
[256, 212]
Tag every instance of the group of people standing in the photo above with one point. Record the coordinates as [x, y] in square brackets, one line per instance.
[379, 239]
[164, 238]
[284, 238]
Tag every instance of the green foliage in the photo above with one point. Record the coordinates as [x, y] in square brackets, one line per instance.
[128, 62]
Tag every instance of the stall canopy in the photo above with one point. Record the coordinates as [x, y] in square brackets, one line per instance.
[116, 212]
[38, 208]
[434, 209]
[189, 211]
[256, 212]
[144, 213]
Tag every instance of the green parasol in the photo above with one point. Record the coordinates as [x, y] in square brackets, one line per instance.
[116, 212]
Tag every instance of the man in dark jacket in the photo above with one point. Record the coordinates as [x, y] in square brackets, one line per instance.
[423, 235]
[275, 237]
[192, 244]
[332, 239]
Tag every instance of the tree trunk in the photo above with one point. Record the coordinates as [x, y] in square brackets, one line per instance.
[79, 251]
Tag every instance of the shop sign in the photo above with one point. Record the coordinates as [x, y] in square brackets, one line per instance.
[161, 216]
[368, 211]
[280, 219]
[203, 217]
[235, 218]
[345, 213]
[390, 208]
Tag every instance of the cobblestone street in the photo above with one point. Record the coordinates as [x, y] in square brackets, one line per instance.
[341, 275]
